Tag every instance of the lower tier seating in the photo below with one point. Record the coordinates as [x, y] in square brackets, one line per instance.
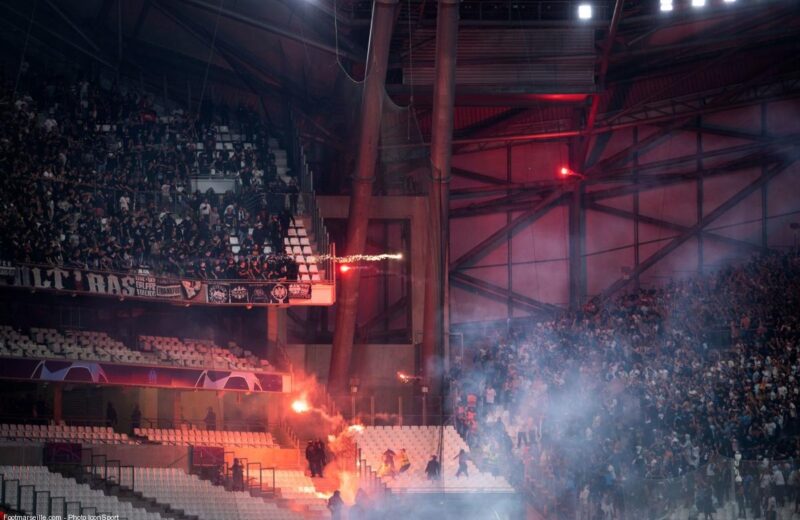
[77, 498]
[62, 433]
[202, 499]
[207, 438]
[420, 442]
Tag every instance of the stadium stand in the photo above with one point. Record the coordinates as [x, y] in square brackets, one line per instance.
[207, 438]
[710, 414]
[420, 443]
[89, 501]
[202, 499]
[152, 350]
[63, 433]
[138, 207]
[201, 353]
[297, 487]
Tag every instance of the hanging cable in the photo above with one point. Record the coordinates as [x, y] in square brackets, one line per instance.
[210, 55]
[336, 41]
[24, 50]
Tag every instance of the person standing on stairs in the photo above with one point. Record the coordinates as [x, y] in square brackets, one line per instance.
[462, 463]
[335, 505]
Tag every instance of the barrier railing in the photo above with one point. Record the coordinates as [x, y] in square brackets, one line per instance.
[310, 208]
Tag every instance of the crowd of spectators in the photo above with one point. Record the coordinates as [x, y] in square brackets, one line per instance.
[97, 175]
[637, 404]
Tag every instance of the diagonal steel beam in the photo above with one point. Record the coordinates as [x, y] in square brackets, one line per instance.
[652, 140]
[484, 191]
[475, 176]
[601, 76]
[389, 313]
[706, 128]
[509, 230]
[143, 11]
[54, 34]
[64, 16]
[273, 29]
[676, 242]
[657, 181]
[495, 292]
[488, 123]
[629, 215]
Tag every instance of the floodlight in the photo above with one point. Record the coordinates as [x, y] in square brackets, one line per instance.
[585, 11]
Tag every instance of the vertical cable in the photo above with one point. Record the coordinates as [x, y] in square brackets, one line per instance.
[24, 50]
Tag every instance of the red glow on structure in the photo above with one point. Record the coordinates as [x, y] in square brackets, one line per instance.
[344, 268]
[564, 171]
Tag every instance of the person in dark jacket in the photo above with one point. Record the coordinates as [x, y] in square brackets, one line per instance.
[111, 415]
[335, 505]
[433, 468]
[136, 417]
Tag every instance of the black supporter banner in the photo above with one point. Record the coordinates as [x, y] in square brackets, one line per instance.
[144, 285]
[258, 292]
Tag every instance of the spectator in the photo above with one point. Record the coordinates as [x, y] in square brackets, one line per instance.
[462, 463]
[109, 181]
[210, 419]
[433, 468]
[387, 469]
[237, 472]
[136, 417]
[335, 505]
[638, 388]
[111, 415]
[405, 463]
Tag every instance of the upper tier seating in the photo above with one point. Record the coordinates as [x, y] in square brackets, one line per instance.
[207, 438]
[420, 442]
[201, 353]
[62, 433]
[59, 486]
[202, 499]
[75, 200]
[154, 350]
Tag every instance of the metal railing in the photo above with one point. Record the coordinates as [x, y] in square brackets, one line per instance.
[305, 177]
[200, 424]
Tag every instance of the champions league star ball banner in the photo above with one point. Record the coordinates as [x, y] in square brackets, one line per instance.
[145, 286]
[102, 373]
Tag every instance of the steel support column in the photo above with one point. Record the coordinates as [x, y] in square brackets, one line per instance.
[436, 316]
[383, 14]
[577, 278]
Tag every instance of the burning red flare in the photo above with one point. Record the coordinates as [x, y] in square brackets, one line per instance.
[300, 406]
[344, 268]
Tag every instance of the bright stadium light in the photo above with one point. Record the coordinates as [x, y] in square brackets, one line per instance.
[666, 6]
[698, 3]
[585, 11]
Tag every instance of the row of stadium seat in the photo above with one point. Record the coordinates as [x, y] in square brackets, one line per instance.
[58, 486]
[202, 499]
[63, 433]
[153, 350]
[207, 438]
